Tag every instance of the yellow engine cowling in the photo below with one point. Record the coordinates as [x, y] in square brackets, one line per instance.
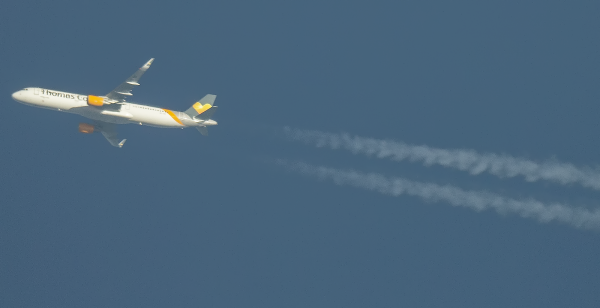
[95, 101]
[86, 128]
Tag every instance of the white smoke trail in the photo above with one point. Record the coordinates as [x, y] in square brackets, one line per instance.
[461, 159]
[476, 200]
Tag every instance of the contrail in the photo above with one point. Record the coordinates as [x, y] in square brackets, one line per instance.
[461, 159]
[476, 200]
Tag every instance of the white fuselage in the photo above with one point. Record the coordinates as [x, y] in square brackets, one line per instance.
[119, 113]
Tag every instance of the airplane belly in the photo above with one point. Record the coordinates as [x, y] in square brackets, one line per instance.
[65, 104]
[165, 120]
[102, 115]
[153, 118]
[140, 116]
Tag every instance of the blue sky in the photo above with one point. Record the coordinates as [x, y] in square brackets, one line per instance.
[178, 219]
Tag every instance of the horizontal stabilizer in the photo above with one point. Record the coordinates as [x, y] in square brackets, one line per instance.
[203, 130]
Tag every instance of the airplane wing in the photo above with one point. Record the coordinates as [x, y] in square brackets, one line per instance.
[109, 131]
[119, 94]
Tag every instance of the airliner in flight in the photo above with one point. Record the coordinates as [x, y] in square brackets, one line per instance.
[111, 109]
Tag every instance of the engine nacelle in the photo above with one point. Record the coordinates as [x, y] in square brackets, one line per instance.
[86, 128]
[95, 101]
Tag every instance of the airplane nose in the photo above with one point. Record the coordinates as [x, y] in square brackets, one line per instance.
[16, 95]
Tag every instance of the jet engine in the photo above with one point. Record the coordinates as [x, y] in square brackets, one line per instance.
[95, 101]
[86, 128]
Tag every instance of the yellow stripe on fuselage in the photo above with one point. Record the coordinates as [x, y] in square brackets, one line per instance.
[172, 114]
[199, 108]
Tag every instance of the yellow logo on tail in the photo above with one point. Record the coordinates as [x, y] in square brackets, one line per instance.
[199, 108]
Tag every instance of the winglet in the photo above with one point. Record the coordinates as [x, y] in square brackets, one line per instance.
[122, 143]
[147, 65]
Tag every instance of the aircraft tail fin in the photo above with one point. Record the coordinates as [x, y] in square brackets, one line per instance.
[202, 111]
[207, 115]
[201, 107]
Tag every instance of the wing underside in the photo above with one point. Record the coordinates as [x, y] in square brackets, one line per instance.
[109, 131]
[123, 91]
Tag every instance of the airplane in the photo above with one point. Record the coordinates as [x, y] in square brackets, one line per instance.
[112, 109]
